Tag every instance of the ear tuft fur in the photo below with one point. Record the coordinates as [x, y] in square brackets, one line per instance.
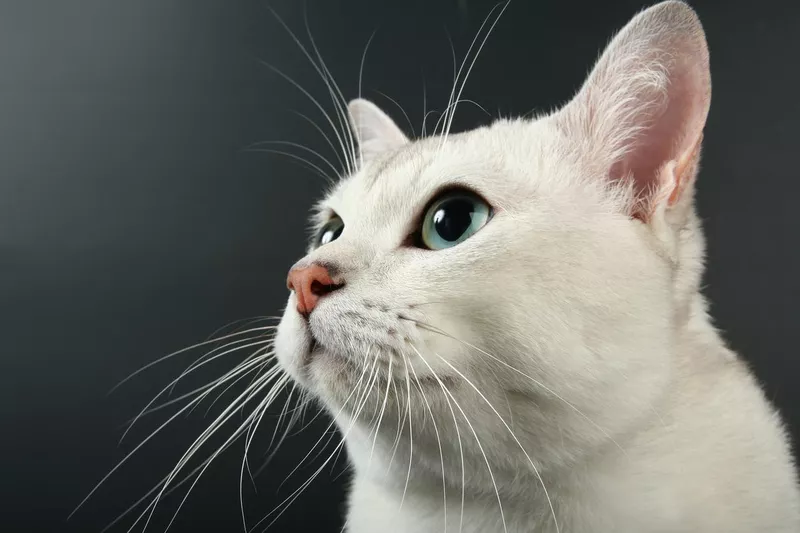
[642, 110]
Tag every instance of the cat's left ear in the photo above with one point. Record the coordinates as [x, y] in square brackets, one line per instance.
[376, 132]
[640, 114]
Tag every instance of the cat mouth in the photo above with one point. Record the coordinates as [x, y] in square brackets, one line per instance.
[313, 344]
[314, 349]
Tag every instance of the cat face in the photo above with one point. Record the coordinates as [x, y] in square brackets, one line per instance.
[526, 274]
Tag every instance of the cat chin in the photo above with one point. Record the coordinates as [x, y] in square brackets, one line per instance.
[310, 363]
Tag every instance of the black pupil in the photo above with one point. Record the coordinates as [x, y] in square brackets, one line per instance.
[331, 232]
[453, 218]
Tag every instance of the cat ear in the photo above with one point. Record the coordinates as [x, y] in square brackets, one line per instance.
[642, 110]
[375, 130]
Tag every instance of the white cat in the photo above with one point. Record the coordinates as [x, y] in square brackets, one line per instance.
[507, 324]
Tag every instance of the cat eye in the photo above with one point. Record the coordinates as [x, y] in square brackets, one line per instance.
[452, 218]
[330, 231]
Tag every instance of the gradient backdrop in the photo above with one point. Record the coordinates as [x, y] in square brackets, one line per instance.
[133, 223]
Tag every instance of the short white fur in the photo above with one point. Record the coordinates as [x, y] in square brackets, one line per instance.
[557, 371]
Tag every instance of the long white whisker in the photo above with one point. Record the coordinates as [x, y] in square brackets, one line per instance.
[363, 61]
[157, 487]
[324, 136]
[538, 383]
[380, 416]
[248, 441]
[312, 166]
[511, 432]
[424, 106]
[339, 138]
[258, 411]
[255, 369]
[363, 400]
[333, 422]
[200, 361]
[272, 451]
[438, 440]
[130, 454]
[336, 94]
[173, 382]
[472, 64]
[455, 74]
[410, 435]
[195, 392]
[256, 362]
[403, 111]
[300, 147]
[292, 497]
[223, 418]
[346, 137]
[184, 350]
[466, 56]
[401, 423]
[447, 397]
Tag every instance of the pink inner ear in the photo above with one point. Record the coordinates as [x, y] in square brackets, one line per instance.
[644, 106]
[668, 131]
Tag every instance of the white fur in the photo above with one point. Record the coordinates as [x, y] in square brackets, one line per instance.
[570, 332]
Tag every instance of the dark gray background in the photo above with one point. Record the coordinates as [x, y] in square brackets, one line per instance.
[133, 224]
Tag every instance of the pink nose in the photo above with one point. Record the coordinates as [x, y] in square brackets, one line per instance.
[310, 284]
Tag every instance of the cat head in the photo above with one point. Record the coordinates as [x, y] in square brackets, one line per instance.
[531, 273]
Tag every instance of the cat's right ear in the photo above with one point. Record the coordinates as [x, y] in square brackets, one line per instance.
[376, 132]
[640, 115]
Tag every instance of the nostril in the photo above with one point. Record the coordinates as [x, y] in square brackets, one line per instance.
[310, 284]
[319, 289]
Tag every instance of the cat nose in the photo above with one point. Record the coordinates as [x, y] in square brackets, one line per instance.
[309, 284]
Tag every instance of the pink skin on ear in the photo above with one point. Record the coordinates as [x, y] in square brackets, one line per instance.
[643, 108]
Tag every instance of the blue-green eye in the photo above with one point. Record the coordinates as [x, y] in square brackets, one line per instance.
[330, 231]
[453, 218]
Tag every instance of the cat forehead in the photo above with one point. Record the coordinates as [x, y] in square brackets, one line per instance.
[496, 160]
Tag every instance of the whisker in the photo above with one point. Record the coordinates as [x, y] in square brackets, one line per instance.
[220, 421]
[274, 392]
[331, 425]
[536, 470]
[324, 136]
[380, 416]
[311, 166]
[363, 400]
[455, 77]
[452, 106]
[339, 138]
[336, 94]
[346, 138]
[447, 398]
[472, 64]
[131, 453]
[173, 382]
[296, 414]
[363, 61]
[248, 441]
[439, 442]
[298, 146]
[424, 105]
[410, 435]
[184, 350]
[286, 503]
[397, 104]
[538, 383]
[180, 398]
[200, 361]
[401, 422]
[256, 369]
